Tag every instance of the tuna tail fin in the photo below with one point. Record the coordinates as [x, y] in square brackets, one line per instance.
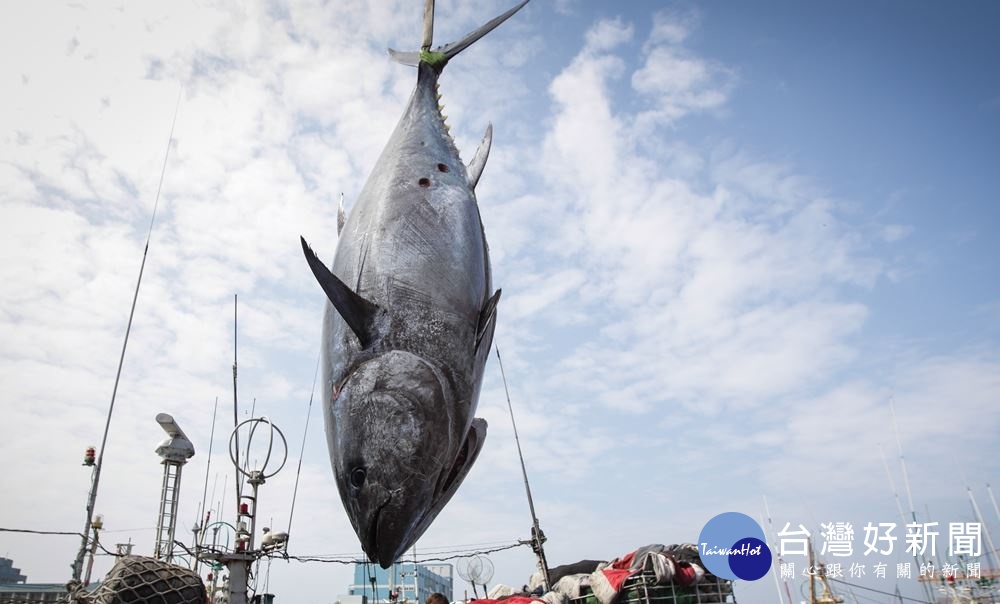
[440, 56]
[358, 313]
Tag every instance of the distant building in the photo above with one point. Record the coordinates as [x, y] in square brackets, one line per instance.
[411, 583]
[29, 593]
[9, 574]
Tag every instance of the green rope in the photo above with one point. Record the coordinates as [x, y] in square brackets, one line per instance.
[432, 58]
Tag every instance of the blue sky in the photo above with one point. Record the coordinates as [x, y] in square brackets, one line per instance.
[727, 235]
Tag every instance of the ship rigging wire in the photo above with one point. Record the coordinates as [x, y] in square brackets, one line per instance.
[442, 557]
[879, 591]
[302, 451]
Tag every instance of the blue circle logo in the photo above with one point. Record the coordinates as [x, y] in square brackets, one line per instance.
[732, 547]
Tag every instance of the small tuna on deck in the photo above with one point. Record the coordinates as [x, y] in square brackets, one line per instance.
[410, 323]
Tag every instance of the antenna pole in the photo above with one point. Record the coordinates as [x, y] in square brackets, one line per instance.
[996, 510]
[906, 483]
[302, 451]
[204, 495]
[812, 574]
[902, 460]
[892, 485]
[537, 536]
[770, 526]
[979, 517]
[236, 419]
[95, 479]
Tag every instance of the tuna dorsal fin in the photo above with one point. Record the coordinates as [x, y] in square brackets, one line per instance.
[358, 313]
[475, 168]
[487, 318]
[441, 55]
[341, 215]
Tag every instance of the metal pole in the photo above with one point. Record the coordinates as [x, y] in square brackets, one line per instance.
[77, 565]
[776, 563]
[928, 591]
[236, 419]
[204, 495]
[90, 561]
[537, 536]
[979, 517]
[812, 574]
[238, 572]
[996, 510]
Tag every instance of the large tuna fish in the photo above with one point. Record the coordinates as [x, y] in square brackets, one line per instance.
[410, 323]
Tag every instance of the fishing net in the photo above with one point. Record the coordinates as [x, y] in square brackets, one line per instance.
[141, 580]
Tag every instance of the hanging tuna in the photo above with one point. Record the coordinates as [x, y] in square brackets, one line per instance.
[410, 321]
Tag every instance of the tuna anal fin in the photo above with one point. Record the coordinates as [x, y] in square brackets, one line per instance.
[487, 319]
[475, 168]
[358, 313]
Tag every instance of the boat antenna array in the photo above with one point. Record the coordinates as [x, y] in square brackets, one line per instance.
[245, 551]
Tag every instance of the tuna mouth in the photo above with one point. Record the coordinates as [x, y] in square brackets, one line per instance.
[371, 540]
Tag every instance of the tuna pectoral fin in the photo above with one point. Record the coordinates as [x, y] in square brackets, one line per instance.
[467, 455]
[475, 168]
[358, 313]
[440, 56]
[487, 318]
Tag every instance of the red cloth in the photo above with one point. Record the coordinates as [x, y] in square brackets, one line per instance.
[684, 574]
[624, 562]
[616, 576]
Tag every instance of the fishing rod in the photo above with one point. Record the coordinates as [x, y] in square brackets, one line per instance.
[537, 536]
[77, 565]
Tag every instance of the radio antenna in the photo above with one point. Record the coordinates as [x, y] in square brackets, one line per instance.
[96, 477]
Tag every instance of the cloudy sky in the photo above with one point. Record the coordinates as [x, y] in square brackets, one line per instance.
[728, 236]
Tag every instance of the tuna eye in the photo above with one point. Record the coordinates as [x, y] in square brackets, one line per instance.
[358, 476]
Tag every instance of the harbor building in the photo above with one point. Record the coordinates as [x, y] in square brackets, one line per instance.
[403, 582]
[9, 574]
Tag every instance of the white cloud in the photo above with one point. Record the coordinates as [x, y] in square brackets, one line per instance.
[607, 34]
[896, 232]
